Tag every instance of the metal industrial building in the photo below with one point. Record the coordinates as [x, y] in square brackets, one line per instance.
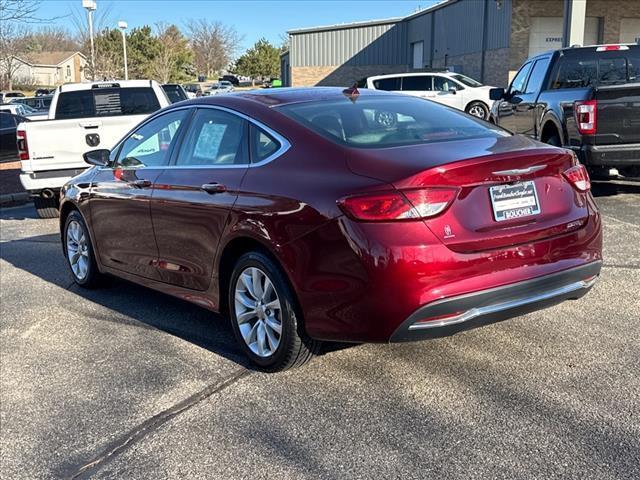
[485, 39]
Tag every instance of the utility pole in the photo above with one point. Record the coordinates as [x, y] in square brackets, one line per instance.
[90, 6]
[123, 26]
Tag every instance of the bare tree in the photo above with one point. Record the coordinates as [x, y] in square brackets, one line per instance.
[173, 54]
[102, 20]
[51, 39]
[214, 45]
[18, 11]
[13, 15]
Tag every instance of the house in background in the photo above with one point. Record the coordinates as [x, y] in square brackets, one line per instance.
[51, 68]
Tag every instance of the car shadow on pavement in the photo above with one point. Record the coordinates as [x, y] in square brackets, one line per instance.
[132, 304]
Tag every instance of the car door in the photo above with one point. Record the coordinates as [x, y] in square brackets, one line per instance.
[445, 91]
[515, 111]
[121, 193]
[192, 198]
[418, 86]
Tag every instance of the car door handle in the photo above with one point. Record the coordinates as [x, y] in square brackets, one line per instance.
[142, 183]
[212, 188]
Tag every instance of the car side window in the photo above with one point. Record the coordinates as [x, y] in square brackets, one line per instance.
[443, 84]
[149, 146]
[215, 138]
[388, 84]
[7, 120]
[537, 76]
[417, 83]
[519, 81]
[263, 145]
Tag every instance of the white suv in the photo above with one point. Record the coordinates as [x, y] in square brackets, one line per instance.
[452, 89]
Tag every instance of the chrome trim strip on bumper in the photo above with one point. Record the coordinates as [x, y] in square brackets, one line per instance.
[499, 307]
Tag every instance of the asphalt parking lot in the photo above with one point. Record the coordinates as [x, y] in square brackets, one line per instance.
[123, 382]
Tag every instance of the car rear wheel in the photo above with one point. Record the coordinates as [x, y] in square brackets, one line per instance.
[264, 315]
[46, 207]
[478, 109]
[79, 251]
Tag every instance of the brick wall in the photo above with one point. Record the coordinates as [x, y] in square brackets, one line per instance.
[340, 75]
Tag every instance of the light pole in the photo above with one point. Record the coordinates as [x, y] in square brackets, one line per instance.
[90, 6]
[123, 26]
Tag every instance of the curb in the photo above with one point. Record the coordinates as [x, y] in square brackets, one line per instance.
[12, 199]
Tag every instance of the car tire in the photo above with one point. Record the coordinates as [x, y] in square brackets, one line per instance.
[46, 207]
[554, 140]
[267, 308]
[77, 244]
[478, 109]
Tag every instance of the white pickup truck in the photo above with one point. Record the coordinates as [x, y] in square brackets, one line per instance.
[82, 117]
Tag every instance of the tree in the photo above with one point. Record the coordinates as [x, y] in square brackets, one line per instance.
[213, 43]
[174, 61]
[50, 39]
[142, 49]
[109, 56]
[262, 60]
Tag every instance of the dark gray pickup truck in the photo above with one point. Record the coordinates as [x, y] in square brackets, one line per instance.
[583, 98]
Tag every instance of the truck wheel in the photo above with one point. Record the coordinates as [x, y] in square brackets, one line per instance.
[599, 173]
[554, 140]
[46, 207]
[478, 109]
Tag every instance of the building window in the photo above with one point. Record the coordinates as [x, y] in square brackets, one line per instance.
[68, 71]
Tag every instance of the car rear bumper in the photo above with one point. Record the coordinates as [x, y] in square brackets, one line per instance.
[451, 315]
[610, 155]
[35, 182]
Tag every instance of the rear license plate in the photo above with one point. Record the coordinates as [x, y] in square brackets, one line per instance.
[514, 201]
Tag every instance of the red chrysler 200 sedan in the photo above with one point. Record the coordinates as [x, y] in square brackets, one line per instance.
[324, 214]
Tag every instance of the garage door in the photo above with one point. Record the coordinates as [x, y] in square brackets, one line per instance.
[630, 30]
[546, 33]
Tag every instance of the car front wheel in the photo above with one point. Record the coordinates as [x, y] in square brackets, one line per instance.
[478, 109]
[264, 315]
[79, 251]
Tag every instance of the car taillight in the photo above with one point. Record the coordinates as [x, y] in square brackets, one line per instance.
[21, 143]
[611, 48]
[414, 204]
[586, 116]
[579, 178]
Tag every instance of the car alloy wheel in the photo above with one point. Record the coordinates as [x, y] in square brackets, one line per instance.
[478, 111]
[77, 249]
[258, 311]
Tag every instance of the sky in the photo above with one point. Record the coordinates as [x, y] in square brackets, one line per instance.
[253, 19]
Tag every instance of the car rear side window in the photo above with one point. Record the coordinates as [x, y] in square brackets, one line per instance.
[263, 145]
[105, 102]
[419, 83]
[387, 121]
[387, 84]
[215, 138]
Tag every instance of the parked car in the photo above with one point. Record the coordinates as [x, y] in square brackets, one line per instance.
[452, 89]
[41, 103]
[23, 110]
[218, 88]
[232, 79]
[193, 89]
[44, 91]
[313, 214]
[8, 124]
[82, 117]
[5, 97]
[586, 99]
[175, 92]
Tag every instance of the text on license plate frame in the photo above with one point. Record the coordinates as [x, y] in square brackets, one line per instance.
[518, 200]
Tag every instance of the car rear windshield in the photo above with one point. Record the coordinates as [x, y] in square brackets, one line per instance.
[106, 102]
[388, 121]
[583, 70]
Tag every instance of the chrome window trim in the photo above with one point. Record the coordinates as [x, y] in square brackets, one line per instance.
[285, 145]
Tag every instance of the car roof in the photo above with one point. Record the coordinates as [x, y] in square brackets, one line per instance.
[410, 74]
[274, 97]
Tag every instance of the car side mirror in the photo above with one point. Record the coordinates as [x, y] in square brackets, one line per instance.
[98, 157]
[453, 90]
[496, 93]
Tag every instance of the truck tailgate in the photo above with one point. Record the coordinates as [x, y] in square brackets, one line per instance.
[618, 114]
[59, 144]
